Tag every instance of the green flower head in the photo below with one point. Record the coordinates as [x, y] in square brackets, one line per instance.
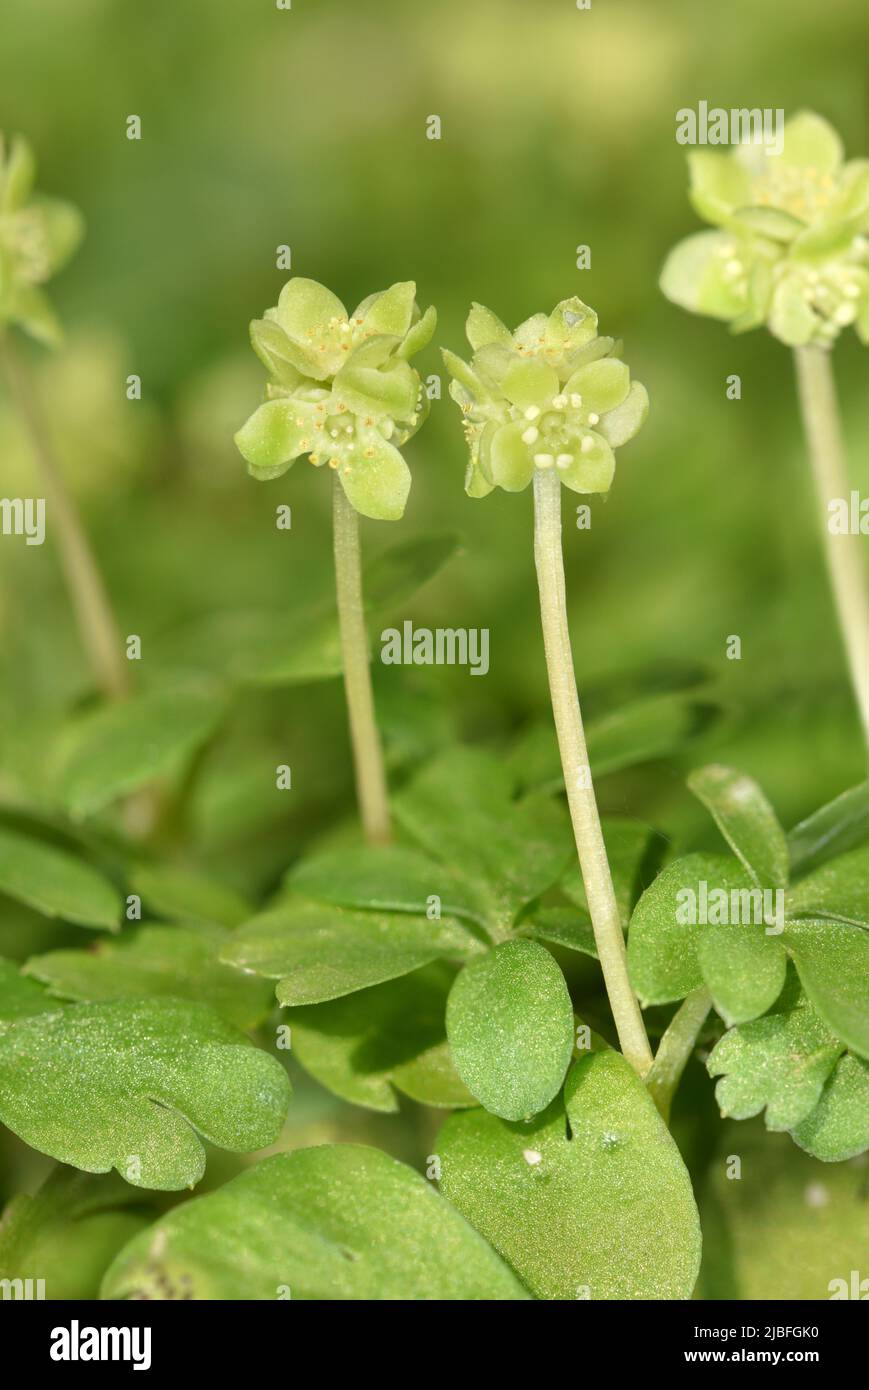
[37, 237]
[792, 249]
[551, 395]
[341, 390]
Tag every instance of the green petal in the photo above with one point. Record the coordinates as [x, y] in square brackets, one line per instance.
[273, 436]
[693, 276]
[305, 306]
[811, 142]
[492, 363]
[572, 323]
[529, 382]
[275, 351]
[476, 485]
[774, 223]
[392, 310]
[484, 327]
[420, 334]
[392, 391]
[62, 229]
[16, 181]
[510, 459]
[853, 196]
[592, 471]
[531, 332]
[603, 385]
[719, 184]
[791, 319]
[621, 424]
[378, 486]
[464, 374]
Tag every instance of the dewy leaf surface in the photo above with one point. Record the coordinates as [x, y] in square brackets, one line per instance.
[606, 1214]
[832, 961]
[838, 1127]
[152, 961]
[19, 996]
[126, 1084]
[56, 883]
[510, 1028]
[746, 820]
[340, 1222]
[317, 951]
[182, 895]
[839, 888]
[127, 744]
[663, 939]
[389, 878]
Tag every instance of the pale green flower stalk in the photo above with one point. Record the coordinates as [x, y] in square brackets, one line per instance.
[550, 403]
[792, 251]
[37, 237]
[341, 390]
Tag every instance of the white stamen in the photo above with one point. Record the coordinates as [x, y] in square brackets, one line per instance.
[532, 412]
[587, 445]
[559, 402]
[531, 435]
[575, 399]
[564, 460]
[544, 460]
[593, 419]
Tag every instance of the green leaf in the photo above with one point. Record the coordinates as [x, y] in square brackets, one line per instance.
[125, 745]
[19, 996]
[743, 967]
[832, 959]
[387, 878]
[317, 951]
[364, 1045]
[562, 926]
[665, 933]
[746, 820]
[510, 1029]
[839, 888]
[187, 896]
[55, 883]
[483, 327]
[832, 830]
[460, 808]
[69, 1231]
[838, 1127]
[591, 1200]
[126, 1084]
[341, 1222]
[153, 961]
[378, 484]
[644, 729]
[779, 1063]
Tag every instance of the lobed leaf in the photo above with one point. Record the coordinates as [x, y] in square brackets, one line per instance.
[746, 820]
[127, 1084]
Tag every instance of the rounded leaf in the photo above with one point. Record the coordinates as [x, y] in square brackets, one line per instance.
[510, 1028]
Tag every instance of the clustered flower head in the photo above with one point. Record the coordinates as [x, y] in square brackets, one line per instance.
[551, 395]
[341, 390]
[792, 249]
[37, 237]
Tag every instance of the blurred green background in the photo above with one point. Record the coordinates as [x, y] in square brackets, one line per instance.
[307, 127]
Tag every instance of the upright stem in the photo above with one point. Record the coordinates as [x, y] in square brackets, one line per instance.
[845, 562]
[593, 861]
[676, 1047]
[93, 611]
[371, 788]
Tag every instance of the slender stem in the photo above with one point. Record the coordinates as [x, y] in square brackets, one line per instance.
[676, 1047]
[371, 788]
[593, 861]
[98, 630]
[845, 561]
